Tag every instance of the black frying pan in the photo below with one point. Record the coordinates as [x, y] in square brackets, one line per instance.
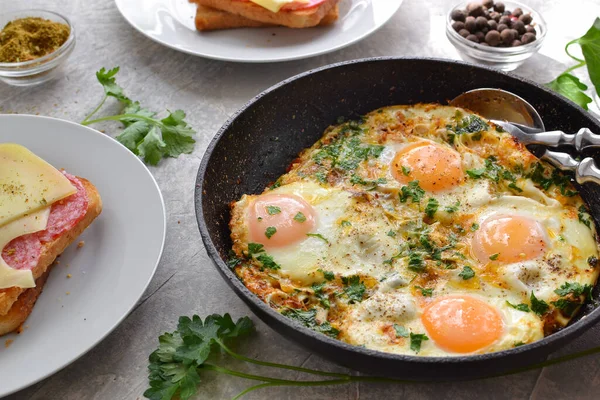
[259, 142]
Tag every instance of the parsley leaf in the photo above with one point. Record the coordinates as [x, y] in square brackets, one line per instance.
[453, 208]
[173, 367]
[416, 262]
[146, 136]
[255, 248]
[322, 296]
[415, 341]
[318, 236]
[540, 307]
[272, 210]
[467, 273]
[583, 216]
[521, 307]
[568, 307]
[300, 217]
[267, 261]
[346, 223]
[476, 173]
[412, 190]
[391, 233]
[270, 231]
[425, 292]
[401, 331]
[574, 288]
[309, 319]
[405, 170]
[354, 289]
[432, 207]
[109, 83]
[328, 275]
[494, 257]
[474, 226]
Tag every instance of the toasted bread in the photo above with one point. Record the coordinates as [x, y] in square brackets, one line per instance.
[292, 19]
[16, 303]
[208, 19]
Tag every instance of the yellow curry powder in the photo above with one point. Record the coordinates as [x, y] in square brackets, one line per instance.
[26, 39]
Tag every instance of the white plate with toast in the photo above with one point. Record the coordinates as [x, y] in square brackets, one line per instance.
[172, 23]
[102, 275]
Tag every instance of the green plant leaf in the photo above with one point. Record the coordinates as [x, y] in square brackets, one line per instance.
[590, 47]
[572, 88]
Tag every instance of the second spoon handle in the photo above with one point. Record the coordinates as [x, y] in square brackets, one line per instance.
[581, 140]
[585, 170]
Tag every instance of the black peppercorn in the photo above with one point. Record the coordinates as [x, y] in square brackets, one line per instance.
[499, 7]
[457, 25]
[458, 15]
[505, 20]
[473, 38]
[516, 43]
[481, 23]
[484, 44]
[480, 36]
[506, 13]
[519, 26]
[507, 36]
[528, 38]
[517, 12]
[487, 3]
[502, 27]
[530, 29]
[470, 24]
[492, 25]
[493, 38]
[464, 33]
[495, 16]
[475, 9]
[526, 19]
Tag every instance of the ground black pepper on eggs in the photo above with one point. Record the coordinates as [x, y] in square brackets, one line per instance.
[489, 23]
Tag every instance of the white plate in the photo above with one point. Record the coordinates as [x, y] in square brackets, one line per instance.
[171, 23]
[109, 274]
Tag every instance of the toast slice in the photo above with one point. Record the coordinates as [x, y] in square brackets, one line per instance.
[17, 303]
[292, 19]
[209, 19]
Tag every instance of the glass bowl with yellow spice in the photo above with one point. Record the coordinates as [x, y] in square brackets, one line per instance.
[34, 44]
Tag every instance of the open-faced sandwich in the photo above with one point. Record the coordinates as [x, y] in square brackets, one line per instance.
[42, 211]
[228, 14]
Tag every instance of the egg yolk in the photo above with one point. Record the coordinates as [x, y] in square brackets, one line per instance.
[462, 324]
[435, 167]
[509, 239]
[277, 220]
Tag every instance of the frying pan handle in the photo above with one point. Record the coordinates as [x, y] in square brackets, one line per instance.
[585, 170]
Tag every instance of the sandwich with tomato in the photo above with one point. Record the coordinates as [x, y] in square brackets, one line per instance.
[227, 14]
[42, 211]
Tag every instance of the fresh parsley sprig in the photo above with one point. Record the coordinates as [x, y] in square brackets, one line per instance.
[177, 368]
[568, 84]
[145, 135]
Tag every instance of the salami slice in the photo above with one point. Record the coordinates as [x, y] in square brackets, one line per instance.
[66, 213]
[23, 252]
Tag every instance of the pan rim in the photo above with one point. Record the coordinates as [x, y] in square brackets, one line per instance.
[568, 333]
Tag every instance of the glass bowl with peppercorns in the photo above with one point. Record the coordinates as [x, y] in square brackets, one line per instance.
[495, 33]
[34, 44]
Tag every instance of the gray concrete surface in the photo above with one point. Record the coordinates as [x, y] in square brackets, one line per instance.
[186, 282]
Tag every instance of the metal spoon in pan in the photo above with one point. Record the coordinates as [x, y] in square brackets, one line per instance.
[520, 119]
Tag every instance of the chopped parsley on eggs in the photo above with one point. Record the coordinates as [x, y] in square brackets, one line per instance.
[421, 230]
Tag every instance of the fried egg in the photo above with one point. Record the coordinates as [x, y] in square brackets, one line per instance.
[419, 230]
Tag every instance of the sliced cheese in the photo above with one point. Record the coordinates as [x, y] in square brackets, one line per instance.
[27, 183]
[31, 223]
[275, 5]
